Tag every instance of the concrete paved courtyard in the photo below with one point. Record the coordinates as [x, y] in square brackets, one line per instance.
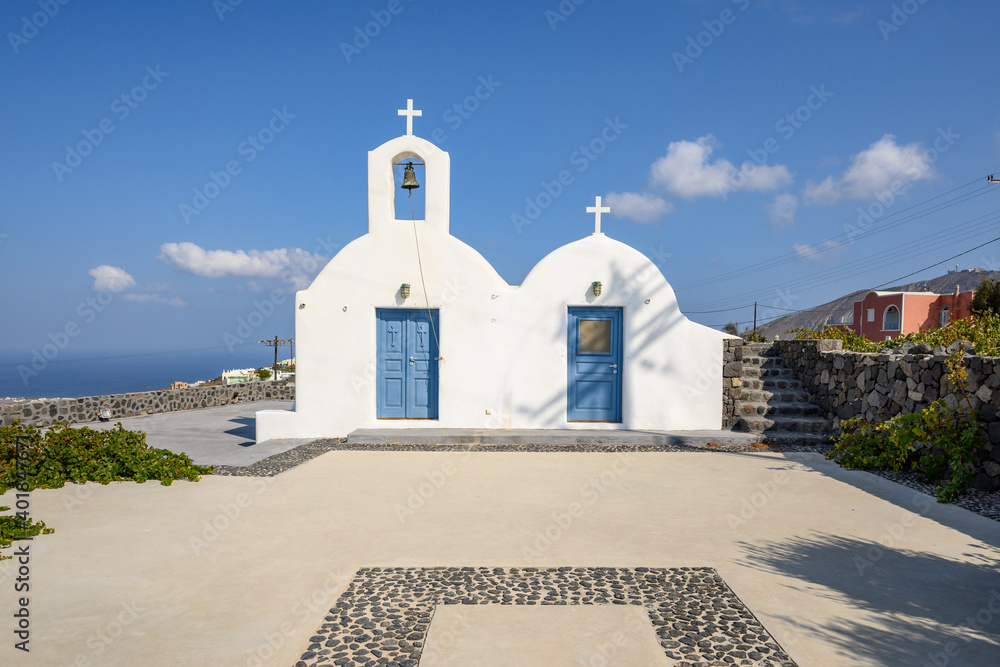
[840, 567]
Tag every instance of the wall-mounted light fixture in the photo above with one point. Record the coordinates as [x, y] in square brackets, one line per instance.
[404, 290]
[302, 305]
[596, 286]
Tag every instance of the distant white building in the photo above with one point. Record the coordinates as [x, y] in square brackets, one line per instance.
[239, 376]
[408, 327]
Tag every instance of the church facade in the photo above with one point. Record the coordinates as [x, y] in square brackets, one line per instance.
[409, 327]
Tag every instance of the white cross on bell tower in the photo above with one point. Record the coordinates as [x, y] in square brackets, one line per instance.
[409, 112]
[597, 209]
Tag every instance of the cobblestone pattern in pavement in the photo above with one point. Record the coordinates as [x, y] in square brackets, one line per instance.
[384, 615]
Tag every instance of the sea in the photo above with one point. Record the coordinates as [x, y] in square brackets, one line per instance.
[99, 373]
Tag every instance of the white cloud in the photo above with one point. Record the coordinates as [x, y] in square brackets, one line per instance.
[781, 212]
[685, 171]
[154, 298]
[638, 207]
[827, 252]
[294, 264]
[110, 278]
[885, 166]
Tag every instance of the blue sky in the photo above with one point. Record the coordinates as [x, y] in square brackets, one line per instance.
[723, 133]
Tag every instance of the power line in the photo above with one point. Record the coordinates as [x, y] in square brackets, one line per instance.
[749, 305]
[915, 248]
[829, 245]
[938, 263]
[793, 256]
[276, 344]
[930, 266]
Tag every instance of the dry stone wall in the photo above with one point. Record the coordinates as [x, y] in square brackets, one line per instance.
[48, 411]
[732, 381]
[878, 386]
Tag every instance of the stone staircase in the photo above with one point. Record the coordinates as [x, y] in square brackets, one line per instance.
[774, 404]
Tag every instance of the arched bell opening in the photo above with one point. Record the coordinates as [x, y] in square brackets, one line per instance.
[409, 176]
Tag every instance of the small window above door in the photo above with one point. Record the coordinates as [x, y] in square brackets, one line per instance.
[595, 337]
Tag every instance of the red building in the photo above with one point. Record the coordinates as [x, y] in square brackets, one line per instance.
[885, 315]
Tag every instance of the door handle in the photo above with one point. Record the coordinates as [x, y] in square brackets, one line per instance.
[613, 366]
[412, 359]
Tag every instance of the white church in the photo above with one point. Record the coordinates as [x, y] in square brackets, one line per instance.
[409, 327]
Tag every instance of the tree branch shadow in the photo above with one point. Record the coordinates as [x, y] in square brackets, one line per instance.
[929, 609]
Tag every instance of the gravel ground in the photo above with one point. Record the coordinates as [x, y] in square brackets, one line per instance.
[987, 504]
[384, 615]
[980, 502]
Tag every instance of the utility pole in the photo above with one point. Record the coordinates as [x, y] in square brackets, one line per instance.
[275, 344]
[755, 316]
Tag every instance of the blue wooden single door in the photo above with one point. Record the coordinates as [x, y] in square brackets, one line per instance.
[407, 368]
[594, 392]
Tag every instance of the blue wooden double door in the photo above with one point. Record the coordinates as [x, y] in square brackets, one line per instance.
[594, 391]
[407, 367]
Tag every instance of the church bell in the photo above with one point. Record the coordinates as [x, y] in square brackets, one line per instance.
[409, 178]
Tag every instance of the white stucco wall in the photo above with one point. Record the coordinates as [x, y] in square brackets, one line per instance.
[671, 376]
[504, 348]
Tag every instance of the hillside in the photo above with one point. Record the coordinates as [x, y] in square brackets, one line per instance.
[832, 311]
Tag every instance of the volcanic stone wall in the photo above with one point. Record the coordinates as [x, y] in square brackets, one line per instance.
[48, 411]
[732, 381]
[877, 386]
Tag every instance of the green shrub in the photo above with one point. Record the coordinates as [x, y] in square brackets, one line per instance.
[65, 454]
[14, 527]
[987, 297]
[939, 442]
[851, 340]
[982, 330]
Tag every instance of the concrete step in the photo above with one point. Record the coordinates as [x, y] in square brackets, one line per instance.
[753, 384]
[769, 409]
[755, 423]
[804, 424]
[789, 438]
[775, 371]
[781, 384]
[761, 395]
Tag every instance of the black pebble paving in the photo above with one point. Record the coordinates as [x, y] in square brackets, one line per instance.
[384, 615]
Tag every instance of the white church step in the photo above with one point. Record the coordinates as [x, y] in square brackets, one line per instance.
[554, 437]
